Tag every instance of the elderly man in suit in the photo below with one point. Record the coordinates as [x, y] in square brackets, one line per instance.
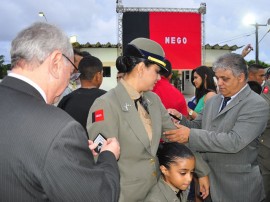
[227, 134]
[44, 153]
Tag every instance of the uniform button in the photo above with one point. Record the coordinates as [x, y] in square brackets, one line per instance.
[154, 173]
[152, 160]
[261, 141]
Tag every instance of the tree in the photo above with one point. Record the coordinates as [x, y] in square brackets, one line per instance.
[3, 67]
[265, 65]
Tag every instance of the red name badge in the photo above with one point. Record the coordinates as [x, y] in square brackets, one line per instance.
[98, 116]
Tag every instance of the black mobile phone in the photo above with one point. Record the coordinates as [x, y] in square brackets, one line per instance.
[99, 140]
[175, 117]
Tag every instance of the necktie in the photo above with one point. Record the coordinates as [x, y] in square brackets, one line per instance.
[179, 193]
[225, 100]
[143, 103]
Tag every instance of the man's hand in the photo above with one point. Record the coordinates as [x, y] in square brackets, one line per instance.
[180, 135]
[246, 50]
[204, 186]
[113, 146]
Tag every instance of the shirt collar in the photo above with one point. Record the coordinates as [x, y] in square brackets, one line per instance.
[30, 82]
[172, 187]
[234, 96]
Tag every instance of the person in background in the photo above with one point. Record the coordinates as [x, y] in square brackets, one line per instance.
[74, 82]
[136, 117]
[256, 72]
[78, 103]
[255, 86]
[177, 164]
[44, 153]
[119, 76]
[264, 142]
[170, 96]
[205, 89]
[227, 133]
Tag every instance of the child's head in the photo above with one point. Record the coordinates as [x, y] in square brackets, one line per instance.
[177, 163]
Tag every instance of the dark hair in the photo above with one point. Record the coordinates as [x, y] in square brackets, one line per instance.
[89, 66]
[125, 64]
[255, 86]
[254, 68]
[207, 75]
[168, 67]
[168, 152]
[81, 53]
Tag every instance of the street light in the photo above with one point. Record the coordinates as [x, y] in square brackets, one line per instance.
[41, 14]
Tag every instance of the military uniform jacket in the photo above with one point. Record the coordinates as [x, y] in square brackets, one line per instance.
[115, 115]
[264, 148]
[162, 192]
[229, 140]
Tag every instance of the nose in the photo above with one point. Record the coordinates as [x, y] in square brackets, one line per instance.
[189, 177]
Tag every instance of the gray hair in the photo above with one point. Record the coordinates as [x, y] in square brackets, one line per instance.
[35, 43]
[233, 62]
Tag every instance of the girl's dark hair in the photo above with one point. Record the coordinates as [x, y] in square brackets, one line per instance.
[125, 64]
[207, 75]
[168, 152]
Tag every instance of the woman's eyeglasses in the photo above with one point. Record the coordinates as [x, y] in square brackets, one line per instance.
[76, 75]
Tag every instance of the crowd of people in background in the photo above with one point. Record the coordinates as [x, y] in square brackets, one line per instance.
[64, 139]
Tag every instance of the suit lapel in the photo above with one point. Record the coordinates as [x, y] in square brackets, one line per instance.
[132, 116]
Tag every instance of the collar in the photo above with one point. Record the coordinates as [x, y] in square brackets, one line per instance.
[30, 82]
[172, 187]
[234, 96]
[130, 90]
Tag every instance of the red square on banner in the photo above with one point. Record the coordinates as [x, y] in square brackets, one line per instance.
[180, 36]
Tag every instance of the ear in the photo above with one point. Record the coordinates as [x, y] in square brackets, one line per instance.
[241, 77]
[140, 68]
[55, 64]
[163, 170]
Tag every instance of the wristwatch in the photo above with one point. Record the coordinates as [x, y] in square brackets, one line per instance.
[190, 112]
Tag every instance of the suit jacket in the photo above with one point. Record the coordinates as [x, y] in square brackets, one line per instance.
[119, 118]
[229, 140]
[264, 146]
[162, 192]
[44, 152]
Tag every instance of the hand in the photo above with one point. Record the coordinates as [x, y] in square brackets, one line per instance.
[174, 112]
[246, 50]
[204, 186]
[180, 135]
[113, 146]
[92, 146]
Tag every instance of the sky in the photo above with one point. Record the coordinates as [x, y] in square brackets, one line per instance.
[96, 20]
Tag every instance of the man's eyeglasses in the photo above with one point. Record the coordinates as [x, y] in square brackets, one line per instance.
[76, 75]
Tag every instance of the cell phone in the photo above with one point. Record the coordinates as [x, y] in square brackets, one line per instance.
[175, 117]
[99, 140]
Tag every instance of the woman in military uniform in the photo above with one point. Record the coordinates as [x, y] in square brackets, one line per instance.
[136, 117]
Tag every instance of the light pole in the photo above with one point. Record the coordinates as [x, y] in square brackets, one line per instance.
[257, 39]
[41, 14]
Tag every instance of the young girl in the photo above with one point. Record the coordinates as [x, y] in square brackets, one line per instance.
[177, 165]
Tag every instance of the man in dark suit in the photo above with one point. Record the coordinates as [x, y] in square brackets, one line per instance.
[227, 133]
[44, 153]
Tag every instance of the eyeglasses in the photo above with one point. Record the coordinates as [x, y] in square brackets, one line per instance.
[76, 75]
